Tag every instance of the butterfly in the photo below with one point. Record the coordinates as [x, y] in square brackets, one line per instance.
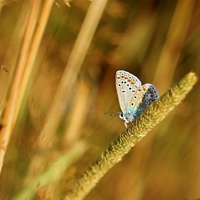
[133, 97]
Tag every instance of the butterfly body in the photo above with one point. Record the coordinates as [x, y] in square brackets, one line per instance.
[133, 97]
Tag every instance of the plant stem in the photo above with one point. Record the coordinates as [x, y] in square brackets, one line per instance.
[11, 109]
[145, 122]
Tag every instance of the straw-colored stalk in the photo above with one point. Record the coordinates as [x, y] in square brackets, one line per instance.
[174, 41]
[11, 109]
[67, 82]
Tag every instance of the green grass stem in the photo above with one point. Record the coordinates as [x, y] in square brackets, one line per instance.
[145, 123]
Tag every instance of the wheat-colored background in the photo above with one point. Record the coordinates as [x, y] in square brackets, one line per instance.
[159, 42]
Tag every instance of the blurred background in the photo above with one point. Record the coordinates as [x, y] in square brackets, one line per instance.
[156, 40]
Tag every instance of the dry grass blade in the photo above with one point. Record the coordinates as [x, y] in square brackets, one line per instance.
[11, 109]
[173, 44]
[42, 22]
[73, 131]
[69, 77]
[72, 69]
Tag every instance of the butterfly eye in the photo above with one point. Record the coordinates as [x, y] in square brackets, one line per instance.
[121, 115]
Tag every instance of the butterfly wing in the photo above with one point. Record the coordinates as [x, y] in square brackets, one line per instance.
[151, 93]
[126, 86]
[144, 96]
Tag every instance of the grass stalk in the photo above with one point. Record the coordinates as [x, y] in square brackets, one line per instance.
[11, 109]
[174, 41]
[73, 67]
[39, 31]
[145, 122]
[79, 113]
[67, 82]
[52, 174]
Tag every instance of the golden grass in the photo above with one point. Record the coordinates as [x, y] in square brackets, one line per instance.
[62, 58]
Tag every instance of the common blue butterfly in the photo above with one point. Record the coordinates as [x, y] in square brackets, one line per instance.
[133, 97]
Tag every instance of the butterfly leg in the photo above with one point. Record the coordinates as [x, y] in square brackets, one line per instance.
[126, 124]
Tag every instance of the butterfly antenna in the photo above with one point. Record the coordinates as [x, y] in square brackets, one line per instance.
[112, 113]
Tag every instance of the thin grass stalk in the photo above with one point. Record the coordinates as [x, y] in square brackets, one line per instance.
[67, 82]
[55, 172]
[39, 31]
[78, 114]
[135, 41]
[10, 111]
[117, 149]
[1, 4]
[72, 69]
[174, 41]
